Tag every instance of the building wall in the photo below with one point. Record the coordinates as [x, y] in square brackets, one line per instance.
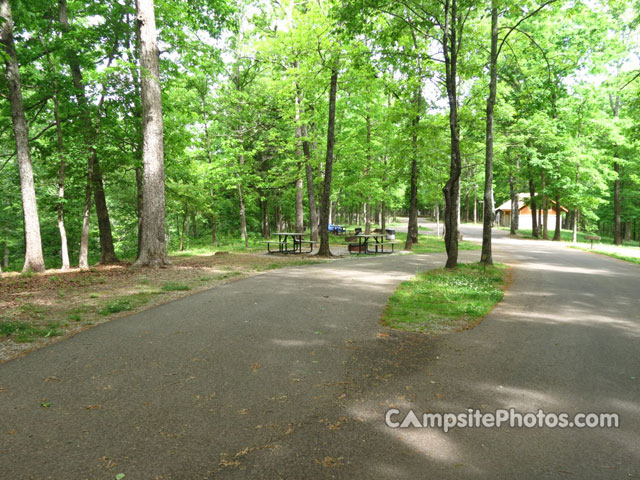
[524, 221]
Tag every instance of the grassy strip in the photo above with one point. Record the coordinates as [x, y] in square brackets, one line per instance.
[567, 236]
[23, 332]
[441, 300]
[609, 254]
[431, 244]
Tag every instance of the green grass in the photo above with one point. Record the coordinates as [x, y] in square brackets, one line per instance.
[440, 301]
[293, 263]
[431, 244]
[567, 236]
[124, 304]
[175, 287]
[74, 317]
[23, 332]
[33, 311]
[626, 258]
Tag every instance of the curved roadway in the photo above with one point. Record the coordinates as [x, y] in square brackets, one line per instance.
[289, 375]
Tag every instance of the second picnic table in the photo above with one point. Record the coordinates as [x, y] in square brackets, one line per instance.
[293, 246]
[362, 245]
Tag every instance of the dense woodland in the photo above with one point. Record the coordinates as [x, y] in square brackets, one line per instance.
[271, 115]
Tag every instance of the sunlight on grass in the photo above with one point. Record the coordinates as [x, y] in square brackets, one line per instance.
[626, 258]
[441, 300]
[431, 244]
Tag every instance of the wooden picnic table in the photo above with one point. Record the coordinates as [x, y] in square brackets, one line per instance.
[290, 242]
[362, 243]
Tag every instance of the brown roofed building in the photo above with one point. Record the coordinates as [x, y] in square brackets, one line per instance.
[503, 213]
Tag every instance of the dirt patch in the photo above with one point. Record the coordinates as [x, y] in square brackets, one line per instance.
[44, 308]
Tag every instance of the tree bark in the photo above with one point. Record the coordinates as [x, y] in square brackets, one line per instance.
[534, 215]
[617, 229]
[486, 255]
[515, 214]
[328, 170]
[153, 251]
[451, 189]
[627, 231]
[83, 256]
[313, 215]
[515, 201]
[107, 251]
[265, 213]
[412, 227]
[301, 161]
[557, 234]
[576, 214]
[545, 207]
[139, 203]
[33, 258]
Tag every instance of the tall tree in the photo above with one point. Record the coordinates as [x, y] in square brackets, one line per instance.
[153, 248]
[328, 169]
[33, 259]
[95, 183]
[451, 44]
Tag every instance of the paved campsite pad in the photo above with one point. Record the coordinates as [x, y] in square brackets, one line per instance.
[288, 375]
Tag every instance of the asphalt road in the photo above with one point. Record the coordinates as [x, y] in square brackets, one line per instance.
[289, 375]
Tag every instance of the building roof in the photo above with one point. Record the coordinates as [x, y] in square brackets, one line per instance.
[506, 206]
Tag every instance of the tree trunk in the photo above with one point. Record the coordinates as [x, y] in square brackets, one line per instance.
[214, 231]
[486, 255]
[182, 230]
[328, 170]
[301, 161]
[5, 256]
[515, 214]
[627, 231]
[617, 230]
[437, 209]
[545, 207]
[515, 201]
[412, 227]
[267, 227]
[367, 217]
[153, 251]
[139, 202]
[83, 256]
[557, 235]
[467, 206]
[242, 212]
[33, 258]
[534, 213]
[574, 237]
[313, 215]
[299, 205]
[451, 189]
[107, 251]
[64, 247]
